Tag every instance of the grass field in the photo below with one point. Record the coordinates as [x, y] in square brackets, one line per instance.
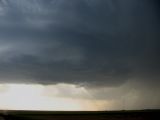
[79, 115]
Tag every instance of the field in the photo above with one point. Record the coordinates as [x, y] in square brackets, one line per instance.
[62, 115]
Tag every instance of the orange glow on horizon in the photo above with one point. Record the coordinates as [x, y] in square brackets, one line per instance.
[33, 97]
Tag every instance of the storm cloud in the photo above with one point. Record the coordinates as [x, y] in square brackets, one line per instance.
[84, 42]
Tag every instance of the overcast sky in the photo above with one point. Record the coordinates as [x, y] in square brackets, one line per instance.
[109, 47]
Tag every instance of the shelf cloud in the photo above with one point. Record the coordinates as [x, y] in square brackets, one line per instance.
[85, 42]
[106, 51]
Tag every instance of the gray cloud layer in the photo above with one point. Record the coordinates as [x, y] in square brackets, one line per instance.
[91, 42]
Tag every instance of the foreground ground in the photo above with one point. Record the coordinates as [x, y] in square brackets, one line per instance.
[102, 115]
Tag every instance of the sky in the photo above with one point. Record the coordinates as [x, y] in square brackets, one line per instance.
[88, 54]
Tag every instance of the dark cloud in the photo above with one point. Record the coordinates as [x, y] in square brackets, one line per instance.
[91, 42]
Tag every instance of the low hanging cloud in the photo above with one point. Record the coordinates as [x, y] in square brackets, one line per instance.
[129, 96]
[84, 42]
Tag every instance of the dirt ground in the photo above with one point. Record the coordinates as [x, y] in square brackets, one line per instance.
[105, 115]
